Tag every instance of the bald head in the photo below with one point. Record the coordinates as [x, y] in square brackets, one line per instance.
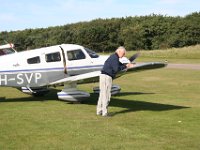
[121, 51]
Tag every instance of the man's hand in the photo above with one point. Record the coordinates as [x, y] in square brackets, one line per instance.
[129, 65]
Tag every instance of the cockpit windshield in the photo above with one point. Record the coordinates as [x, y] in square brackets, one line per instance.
[91, 53]
[6, 51]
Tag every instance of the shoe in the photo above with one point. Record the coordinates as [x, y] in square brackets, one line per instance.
[107, 115]
[99, 114]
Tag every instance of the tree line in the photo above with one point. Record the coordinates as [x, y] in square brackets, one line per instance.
[104, 35]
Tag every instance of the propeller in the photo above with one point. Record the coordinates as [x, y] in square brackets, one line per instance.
[132, 58]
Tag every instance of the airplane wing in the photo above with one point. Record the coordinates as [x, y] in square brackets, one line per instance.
[94, 76]
[142, 67]
[147, 66]
[86, 77]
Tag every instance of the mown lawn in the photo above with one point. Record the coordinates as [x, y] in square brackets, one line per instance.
[156, 110]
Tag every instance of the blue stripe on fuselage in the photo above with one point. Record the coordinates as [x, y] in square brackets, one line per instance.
[52, 69]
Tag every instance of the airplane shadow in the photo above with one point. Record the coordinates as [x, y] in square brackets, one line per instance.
[134, 105]
[52, 95]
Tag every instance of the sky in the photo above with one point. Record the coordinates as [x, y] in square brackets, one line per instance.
[31, 14]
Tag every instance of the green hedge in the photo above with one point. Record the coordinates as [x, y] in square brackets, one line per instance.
[104, 35]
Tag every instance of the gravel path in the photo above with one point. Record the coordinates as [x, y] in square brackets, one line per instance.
[184, 66]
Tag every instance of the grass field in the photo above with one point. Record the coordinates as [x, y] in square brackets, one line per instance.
[157, 109]
[189, 54]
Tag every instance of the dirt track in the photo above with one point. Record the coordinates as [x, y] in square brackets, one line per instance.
[184, 66]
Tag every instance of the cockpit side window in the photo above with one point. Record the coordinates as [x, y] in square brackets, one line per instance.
[53, 57]
[91, 53]
[34, 60]
[75, 55]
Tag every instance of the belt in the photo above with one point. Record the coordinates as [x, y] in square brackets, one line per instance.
[102, 72]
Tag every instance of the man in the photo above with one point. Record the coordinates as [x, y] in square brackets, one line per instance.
[111, 66]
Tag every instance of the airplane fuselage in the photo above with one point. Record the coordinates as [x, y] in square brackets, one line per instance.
[40, 67]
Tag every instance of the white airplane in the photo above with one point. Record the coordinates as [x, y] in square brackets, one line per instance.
[34, 71]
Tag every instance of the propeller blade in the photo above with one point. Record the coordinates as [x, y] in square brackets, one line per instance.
[132, 58]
